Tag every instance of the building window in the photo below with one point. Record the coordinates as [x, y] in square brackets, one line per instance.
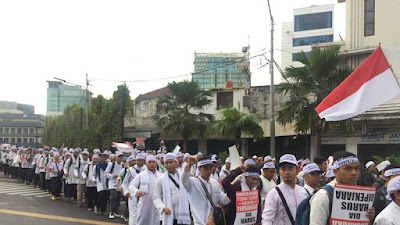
[25, 140]
[19, 130]
[31, 130]
[369, 17]
[6, 130]
[19, 140]
[25, 130]
[12, 130]
[224, 99]
[31, 141]
[1, 130]
[312, 40]
[12, 141]
[294, 55]
[313, 21]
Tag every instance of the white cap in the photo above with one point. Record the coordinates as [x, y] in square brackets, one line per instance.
[111, 155]
[266, 158]
[185, 156]
[249, 162]
[312, 167]
[330, 173]
[381, 166]
[391, 172]
[95, 156]
[199, 153]
[368, 164]
[269, 165]
[140, 156]
[70, 150]
[130, 158]
[119, 154]
[288, 158]
[55, 154]
[96, 150]
[393, 185]
[170, 156]
[179, 154]
[304, 162]
[254, 157]
[228, 160]
[85, 152]
[162, 155]
[151, 158]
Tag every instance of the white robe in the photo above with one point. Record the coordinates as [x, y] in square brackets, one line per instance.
[274, 212]
[147, 213]
[132, 200]
[268, 185]
[199, 204]
[389, 216]
[158, 194]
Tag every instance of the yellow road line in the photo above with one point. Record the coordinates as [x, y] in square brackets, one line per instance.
[62, 218]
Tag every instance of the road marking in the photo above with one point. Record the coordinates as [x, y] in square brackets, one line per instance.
[51, 217]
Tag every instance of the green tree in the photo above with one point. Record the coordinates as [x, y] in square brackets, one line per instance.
[179, 118]
[121, 104]
[235, 123]
[307, 86]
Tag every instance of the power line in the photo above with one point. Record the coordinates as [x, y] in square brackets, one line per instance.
[179, 76]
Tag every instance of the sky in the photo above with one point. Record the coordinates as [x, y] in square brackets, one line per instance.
[144, 43]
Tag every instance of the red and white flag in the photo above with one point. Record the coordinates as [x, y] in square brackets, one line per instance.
[370, 85]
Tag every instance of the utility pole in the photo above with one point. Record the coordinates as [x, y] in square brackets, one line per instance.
[87, 101]
[271, 90]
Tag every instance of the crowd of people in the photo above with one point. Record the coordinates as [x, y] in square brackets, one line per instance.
[161, 187]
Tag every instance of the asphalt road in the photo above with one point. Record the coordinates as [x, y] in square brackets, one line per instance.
[24, 205]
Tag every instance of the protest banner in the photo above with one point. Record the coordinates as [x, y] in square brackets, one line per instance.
[246, 207]
[350, 204]
[176, 150]
[234, 156]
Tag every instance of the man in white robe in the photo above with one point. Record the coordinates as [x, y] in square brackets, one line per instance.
[142, 187]
[170, 197]
[390, 215]
[268, 183]
[200, 205]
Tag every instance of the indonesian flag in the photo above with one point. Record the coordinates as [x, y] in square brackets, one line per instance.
[370, 85]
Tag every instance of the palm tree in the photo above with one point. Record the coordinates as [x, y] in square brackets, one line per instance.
[179, 119]
[308, 86]
[234, 123]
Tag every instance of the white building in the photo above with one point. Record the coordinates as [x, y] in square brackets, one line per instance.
[311, 25]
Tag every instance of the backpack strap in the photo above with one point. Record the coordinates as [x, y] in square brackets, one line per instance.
[206, 191]
[285, 205]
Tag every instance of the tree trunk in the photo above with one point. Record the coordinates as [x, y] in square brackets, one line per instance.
[316, 137]
[185, 142]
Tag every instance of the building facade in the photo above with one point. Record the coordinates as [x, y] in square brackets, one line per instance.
[212, 70]
[311, 25]
[368, 23]
[59, 96]
[19, 125]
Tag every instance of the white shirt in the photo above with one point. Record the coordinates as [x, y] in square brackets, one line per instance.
[268, 185]
[319, 206]
[199, 203]
[224, 172]
[274, 211]
[309, 189]
[87, 174]
[158, 194]
[389, 216]
[117, 168]
[80, 166]
[55, 166]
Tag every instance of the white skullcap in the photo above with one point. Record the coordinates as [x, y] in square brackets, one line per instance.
[199, 153]
[249, 162]
[228, 160]
[269, 165]
[254, 157]
[96, 150]
[95, 157]
[85, 152]
[170, 156]
[312, 167]
[288, 158]
[266, 158]
[368, 164]
[185, 156]
[393, 185]
[119, 154]
[161, 155]
[130, 158]
[140, 156]
[179, 154]
[381, 166]
[65, 149]
[151, 158]
[55, 154]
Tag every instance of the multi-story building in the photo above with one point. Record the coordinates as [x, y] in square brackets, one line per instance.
[19, 125]
[59, 96]
[311, 25]
[368, 24]
[212, 70]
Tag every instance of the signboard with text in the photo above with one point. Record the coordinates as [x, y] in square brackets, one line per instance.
[350, 204]
[246, 207]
